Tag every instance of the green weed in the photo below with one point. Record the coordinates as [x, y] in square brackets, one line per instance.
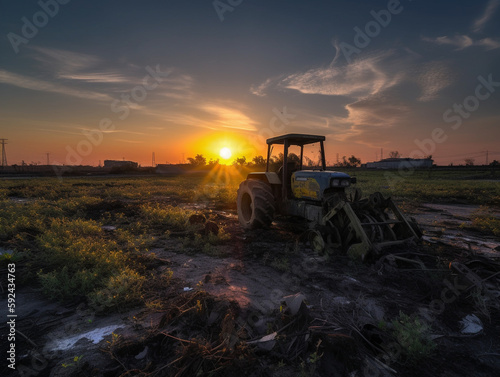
[413, 336]
[165, 216]
[121, 291]
[485, 220]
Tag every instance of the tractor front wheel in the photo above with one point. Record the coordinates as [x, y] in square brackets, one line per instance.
[255, 204]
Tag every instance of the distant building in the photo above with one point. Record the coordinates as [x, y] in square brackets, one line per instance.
[401, 163]
[109, 164]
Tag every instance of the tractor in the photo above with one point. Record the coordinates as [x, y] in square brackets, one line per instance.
[353, 225]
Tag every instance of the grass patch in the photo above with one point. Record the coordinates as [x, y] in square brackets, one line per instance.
[413, 336]
[156, 215]
[486, 220]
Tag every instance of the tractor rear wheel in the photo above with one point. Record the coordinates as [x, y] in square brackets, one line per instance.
[255, 204]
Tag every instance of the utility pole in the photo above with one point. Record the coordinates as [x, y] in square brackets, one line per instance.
[153, 162]
[4, 153]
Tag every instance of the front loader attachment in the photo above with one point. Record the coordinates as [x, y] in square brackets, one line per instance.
[360, 227]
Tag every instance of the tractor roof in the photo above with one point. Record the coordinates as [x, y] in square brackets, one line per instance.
[296, 139]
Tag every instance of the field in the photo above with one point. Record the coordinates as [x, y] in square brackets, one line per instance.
[118, 261]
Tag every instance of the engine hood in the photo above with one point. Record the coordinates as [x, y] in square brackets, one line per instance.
[311, 184]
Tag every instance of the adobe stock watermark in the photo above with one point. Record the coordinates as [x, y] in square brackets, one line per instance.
[456, 115]
[40, 19]
[372, 29]
[94, 137]
[225, 6]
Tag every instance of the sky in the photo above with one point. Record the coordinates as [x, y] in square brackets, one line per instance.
[86, 81]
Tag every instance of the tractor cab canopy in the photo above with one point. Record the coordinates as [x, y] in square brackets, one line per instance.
[286, 170]
[295, 139]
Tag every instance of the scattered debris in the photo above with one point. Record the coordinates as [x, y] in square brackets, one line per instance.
[266, 343]
[93, 336]
[471, 325]
[294, 302]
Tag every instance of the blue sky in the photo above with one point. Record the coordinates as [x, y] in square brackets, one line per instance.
[232, 70]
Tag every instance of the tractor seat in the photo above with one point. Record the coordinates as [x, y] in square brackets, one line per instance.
[292, 167]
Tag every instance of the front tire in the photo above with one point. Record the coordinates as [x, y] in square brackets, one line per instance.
[255, 203]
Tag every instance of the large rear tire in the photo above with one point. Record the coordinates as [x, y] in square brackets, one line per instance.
[255, 203]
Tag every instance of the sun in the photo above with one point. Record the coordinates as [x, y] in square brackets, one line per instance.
[225, 153]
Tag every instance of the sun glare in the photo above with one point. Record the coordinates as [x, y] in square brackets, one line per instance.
[225, 153]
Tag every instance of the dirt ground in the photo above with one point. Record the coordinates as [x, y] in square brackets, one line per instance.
[227, 312]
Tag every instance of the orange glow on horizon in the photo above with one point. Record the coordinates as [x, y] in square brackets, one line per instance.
[223, 146]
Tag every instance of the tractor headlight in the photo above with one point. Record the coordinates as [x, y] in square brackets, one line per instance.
[345, 183]
[335, 182]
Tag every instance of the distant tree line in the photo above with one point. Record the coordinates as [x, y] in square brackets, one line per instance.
[276, 161]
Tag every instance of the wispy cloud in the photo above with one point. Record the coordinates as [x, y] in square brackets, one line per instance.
[360, 78]
[260, 90]
[178, 86]
[228, 117]
[367, 76]
[45, 86]
[489, 43]
[462, 42]
[210, 115]
[65, 61]
[481, 21]
[101, 77]
[114, 131]
[82, 68]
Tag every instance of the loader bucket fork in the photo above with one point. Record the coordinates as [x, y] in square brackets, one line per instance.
[367, 226]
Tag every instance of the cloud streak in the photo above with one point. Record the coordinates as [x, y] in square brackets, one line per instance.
[480, 22]
[26, 82]
[102, 77]
[179, 87]
[358, 79]
[461, 42]
[65, 61]
[366, 77]
[228, 117]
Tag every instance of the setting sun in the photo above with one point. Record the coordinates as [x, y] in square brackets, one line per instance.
[225, 153]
